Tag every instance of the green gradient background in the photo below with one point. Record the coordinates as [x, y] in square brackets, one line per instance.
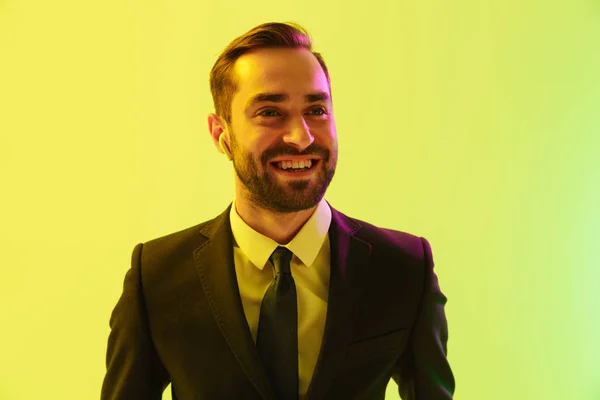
[474, 124]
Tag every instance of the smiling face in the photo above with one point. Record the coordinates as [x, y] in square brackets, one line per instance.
[296, 123]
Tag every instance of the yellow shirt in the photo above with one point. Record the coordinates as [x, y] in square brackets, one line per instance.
[310, 268]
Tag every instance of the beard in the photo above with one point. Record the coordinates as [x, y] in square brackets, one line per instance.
[273, 191]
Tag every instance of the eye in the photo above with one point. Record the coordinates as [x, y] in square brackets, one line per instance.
[274, 110]
[266, 111]
[321, 109]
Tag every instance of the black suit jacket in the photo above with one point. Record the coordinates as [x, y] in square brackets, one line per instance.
[180, 319]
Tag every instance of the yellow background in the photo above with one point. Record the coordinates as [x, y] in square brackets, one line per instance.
[472, 123]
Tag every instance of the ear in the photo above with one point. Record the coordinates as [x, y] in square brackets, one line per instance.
[224, 146]
[217, 130]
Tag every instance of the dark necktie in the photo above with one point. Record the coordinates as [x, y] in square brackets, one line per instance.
[277, 338]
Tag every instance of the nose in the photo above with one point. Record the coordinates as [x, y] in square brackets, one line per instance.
[299, 136]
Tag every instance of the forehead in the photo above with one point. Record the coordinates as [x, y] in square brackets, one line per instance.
[293, 71]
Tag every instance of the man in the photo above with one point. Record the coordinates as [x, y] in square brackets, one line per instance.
[281, 296]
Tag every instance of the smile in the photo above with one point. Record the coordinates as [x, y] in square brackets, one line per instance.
[291, 172]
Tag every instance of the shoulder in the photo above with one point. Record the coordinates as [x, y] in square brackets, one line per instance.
[394, 242]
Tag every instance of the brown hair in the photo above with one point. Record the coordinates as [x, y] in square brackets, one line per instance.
[223, 84]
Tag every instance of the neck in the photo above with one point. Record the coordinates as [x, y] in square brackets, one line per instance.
[280, 227]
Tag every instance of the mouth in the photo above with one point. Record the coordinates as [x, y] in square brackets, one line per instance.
[315, 163]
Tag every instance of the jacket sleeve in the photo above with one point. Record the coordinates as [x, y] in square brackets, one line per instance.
[133, 368]
[423, 371]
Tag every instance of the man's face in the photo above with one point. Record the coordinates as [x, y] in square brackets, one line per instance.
[268, 130]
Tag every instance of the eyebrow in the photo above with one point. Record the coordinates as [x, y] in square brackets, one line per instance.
[281, 97]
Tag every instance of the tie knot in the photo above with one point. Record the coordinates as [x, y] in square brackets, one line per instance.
[281, 258]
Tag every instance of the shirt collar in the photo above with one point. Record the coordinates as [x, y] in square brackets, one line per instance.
[305, 245]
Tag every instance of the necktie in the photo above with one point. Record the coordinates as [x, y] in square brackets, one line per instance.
[277, 338]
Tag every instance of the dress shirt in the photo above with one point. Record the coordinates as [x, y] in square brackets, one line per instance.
[310, 268]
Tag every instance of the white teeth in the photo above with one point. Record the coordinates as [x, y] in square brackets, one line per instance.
[294, 164]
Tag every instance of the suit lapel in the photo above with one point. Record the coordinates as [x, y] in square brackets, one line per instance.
[216, 270]
[349, 262]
